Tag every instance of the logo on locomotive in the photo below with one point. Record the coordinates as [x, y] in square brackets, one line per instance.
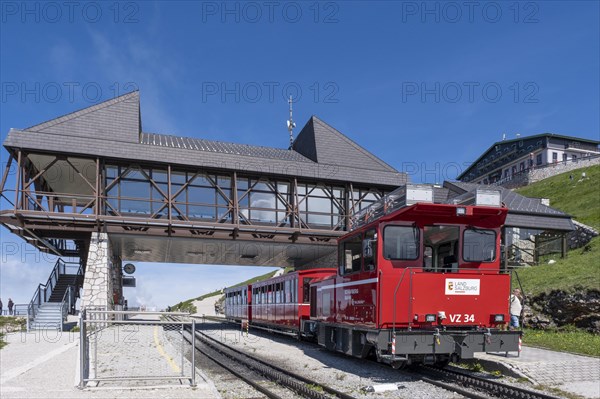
[462, 286]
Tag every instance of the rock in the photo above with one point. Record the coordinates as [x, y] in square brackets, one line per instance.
[559, 308]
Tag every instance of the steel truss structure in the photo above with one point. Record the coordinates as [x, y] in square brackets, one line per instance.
[58, 200]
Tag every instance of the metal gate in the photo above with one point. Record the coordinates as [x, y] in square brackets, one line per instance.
[135, 346]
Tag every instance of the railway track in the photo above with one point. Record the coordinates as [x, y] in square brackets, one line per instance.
[487, 387]
[239, 363]
[465, 384]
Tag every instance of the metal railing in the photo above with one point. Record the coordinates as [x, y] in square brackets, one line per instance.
[19, 310]
[126, 347]
[44, 291]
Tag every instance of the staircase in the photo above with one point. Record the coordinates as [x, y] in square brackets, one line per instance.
[63, 283]
[49, 316]
[53, 301]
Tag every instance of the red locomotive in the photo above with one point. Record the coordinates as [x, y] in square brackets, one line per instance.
[417, 282]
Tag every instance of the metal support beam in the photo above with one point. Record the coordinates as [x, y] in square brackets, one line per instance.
[5, 173]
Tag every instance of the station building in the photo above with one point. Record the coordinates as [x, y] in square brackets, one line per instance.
[505, 160]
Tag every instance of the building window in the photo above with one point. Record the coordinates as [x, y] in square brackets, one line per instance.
[320, 205]
[554, 157]
[522, 166]
[574, 158]
[538, 159]
[565, 158]
[506, 171]
[514, 170]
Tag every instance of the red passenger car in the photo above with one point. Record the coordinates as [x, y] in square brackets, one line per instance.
[418, 283]
[237, 303]
[283, 302]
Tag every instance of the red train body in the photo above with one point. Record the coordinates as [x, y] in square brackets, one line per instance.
[421, 284]
[283, 302]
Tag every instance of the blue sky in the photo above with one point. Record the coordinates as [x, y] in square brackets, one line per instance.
[426, 86]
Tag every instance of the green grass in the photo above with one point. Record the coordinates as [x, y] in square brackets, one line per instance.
[579, 198]
[568, 340]
[580, 270]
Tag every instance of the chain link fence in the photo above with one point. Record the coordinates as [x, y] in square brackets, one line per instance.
[145, 347]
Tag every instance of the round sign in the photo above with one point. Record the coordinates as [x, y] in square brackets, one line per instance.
[129, 268]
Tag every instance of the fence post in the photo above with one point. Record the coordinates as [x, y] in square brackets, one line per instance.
[82, 349]
[193, 353]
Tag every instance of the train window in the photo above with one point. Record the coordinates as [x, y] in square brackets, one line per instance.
[295, 291]
[351, 255]
[401, 243]
[306, 290]
[443, 241]
[428, 258]
[479, 245]
[371, 262]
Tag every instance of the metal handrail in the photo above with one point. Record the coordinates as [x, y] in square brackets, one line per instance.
[44, 291]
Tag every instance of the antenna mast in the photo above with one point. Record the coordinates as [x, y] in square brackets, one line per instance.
[290, 124]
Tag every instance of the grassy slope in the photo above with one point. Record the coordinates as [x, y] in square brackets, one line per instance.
[581, 269]
[218, 292]
[581, 199]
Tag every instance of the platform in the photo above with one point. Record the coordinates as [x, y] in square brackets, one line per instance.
[568, 372]
[44, 364]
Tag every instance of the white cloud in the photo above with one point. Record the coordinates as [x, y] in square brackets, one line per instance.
[134, 60]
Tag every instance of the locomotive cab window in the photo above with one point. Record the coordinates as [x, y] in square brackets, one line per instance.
[401, 242]
[371, 242]
[479, 245]
[441, 244]
[351, 255]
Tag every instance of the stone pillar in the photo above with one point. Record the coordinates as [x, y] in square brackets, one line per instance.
[97, 283]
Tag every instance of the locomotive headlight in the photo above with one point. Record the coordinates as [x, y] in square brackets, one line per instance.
[499, 318]
[430, 318]
[461, 211]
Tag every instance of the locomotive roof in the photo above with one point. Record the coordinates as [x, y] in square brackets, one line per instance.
[444, 213]
[524, 212]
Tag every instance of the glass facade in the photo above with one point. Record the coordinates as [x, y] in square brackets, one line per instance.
[200, 195]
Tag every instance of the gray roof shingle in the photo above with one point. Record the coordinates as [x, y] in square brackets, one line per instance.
[221, 147]
[112, 129]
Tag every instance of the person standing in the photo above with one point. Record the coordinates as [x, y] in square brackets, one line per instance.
[10, 306]
[515, 308]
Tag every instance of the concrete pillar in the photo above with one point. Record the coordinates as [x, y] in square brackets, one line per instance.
[97, 282]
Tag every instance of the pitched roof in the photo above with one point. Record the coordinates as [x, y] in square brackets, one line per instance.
[112, 129]
[322, 143]
[117, 119]
[522, 211]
